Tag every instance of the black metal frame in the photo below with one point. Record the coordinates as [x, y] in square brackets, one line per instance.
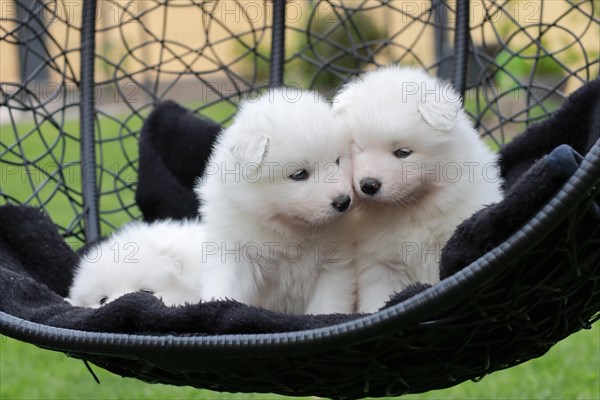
[88, 142]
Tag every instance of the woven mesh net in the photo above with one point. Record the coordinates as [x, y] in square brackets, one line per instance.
[525, 58]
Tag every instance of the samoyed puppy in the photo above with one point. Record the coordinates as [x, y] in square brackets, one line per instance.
[273, 196]
[161, 258]
[419, 169]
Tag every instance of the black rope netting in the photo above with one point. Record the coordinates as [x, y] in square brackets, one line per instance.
[516, 62]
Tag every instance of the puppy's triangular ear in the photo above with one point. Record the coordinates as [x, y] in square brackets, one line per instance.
[251, 149]
[441, 112]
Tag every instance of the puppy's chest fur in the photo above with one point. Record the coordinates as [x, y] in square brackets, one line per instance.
[406, 245]
[288, 277]
[286, 286]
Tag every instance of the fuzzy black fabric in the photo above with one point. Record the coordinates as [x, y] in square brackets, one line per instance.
[489, 227]
[36, 266]
[576, 123]
[174, 146]
[31, 246]
[406, 294]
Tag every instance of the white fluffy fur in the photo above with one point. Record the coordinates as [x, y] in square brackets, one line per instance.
[275, 242]
[160, 257]
[450, 175]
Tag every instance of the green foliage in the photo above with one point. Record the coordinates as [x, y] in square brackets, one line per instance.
[252, 60]
[340, 46]
[513, 67]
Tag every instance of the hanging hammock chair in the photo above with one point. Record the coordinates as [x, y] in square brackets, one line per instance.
[517, 277]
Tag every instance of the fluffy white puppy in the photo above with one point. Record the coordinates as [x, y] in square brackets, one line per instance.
[161, 258]
[421, 170]
[278, 182]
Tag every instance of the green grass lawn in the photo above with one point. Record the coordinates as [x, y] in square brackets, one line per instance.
[571, 370]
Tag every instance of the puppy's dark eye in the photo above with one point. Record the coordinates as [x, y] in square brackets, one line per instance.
[337, 161]
[300, 175]
[103, 300]
[403, 153]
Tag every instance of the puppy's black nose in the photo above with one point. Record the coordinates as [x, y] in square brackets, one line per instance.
[342, 202]
[370, 185]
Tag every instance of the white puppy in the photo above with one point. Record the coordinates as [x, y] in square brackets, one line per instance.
[161, 258]
[277, 183]
[421, 170]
